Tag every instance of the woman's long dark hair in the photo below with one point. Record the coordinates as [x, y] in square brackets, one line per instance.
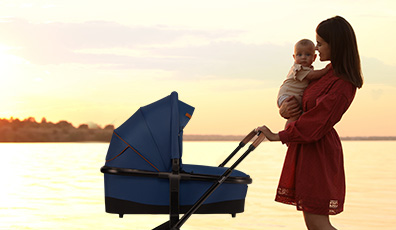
[344, 54]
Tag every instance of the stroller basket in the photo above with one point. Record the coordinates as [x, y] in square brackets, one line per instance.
[144, 173]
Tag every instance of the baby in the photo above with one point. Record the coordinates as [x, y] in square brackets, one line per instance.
[300, 74]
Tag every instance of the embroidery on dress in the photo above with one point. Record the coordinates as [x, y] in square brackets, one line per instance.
[333, 204]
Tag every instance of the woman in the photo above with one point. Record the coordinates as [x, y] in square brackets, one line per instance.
[313, 177]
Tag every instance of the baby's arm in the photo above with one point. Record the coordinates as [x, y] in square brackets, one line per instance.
[316, 74]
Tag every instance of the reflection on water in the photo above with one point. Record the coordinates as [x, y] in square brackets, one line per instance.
[59, 186]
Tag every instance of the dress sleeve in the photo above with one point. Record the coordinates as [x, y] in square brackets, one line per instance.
[319, 120]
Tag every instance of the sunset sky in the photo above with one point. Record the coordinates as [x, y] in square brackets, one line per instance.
[99, 61]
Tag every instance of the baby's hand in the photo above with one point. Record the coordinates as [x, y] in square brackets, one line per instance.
[290, 108]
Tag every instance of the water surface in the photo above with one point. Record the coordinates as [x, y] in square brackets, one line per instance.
[59, 186]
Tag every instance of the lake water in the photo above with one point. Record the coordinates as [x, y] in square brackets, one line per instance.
[59, 186]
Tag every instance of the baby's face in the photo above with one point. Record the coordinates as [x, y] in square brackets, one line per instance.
[304, 55]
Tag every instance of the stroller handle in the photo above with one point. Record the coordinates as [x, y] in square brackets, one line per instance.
[245, 140]
[176, 226]
[249, 137]
[259, 139]
[241, 145]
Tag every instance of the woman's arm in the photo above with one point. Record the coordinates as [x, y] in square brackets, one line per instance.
[319, 120]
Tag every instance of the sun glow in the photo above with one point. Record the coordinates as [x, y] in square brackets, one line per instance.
[7, 63]
[3, 60]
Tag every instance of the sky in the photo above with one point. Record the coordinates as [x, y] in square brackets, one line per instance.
[99, 61]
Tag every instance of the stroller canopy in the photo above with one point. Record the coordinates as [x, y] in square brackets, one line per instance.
[151, 137]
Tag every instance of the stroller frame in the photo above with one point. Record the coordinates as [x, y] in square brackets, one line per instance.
[175, 176]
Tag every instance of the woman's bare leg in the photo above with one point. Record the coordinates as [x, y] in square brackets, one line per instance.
[317, 222]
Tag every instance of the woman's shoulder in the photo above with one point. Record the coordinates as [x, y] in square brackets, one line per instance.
[340, 81]
[330, 83]
[341, 86]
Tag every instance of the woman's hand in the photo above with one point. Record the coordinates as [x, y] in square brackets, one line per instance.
[290, 108]
[268, 134]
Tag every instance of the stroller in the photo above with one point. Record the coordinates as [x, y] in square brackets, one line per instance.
[144, 173]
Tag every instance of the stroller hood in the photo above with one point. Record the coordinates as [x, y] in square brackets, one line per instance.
[151, 137]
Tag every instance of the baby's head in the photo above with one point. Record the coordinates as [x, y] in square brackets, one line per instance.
[304, 52]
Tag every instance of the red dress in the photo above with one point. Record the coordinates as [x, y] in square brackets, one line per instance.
[313, 176]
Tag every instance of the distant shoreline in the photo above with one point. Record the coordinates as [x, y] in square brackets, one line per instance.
[104, 136]
[29, 130]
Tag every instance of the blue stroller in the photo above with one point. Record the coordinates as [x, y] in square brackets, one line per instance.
[144, 173]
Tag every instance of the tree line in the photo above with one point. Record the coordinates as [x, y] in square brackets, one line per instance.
[29, 130]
